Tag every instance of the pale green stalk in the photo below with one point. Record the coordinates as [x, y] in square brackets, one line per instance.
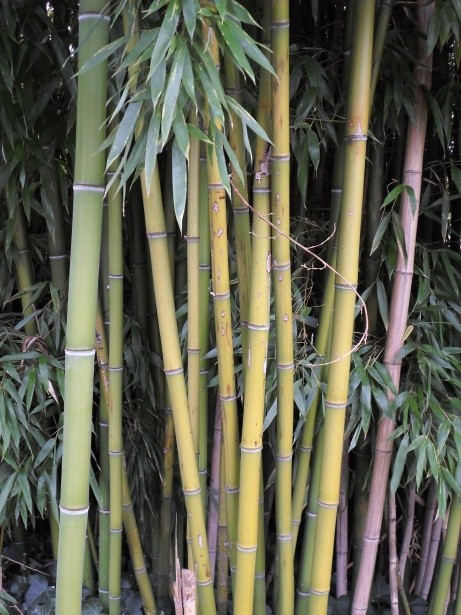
[81, 314]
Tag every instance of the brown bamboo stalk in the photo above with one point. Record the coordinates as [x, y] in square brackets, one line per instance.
[437, 527]
[398, 316]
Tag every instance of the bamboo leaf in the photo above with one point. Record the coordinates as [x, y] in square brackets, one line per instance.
[181, 133]
[456, 177]
[399, 463]
[179, 174]
[152, 146]
[248, 119]
[445, 214]
[194, 131]
[399, 235]
[250, 48]
[235, 48]
[382, 303]
[165, 36]
[240, 13]
[412, 196]
[172, 91]
[382, 228]
[190, 16]
[393, 195]
[157, 82]
[314, 148]
[188, 79]
[103, 54]
[221, 5]
[125, 131]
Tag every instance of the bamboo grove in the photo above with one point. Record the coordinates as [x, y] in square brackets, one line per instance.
[230, 336]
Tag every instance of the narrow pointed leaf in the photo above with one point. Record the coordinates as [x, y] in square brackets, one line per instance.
[179, 173]
[172, 92]
[125, 131]
[165, 36]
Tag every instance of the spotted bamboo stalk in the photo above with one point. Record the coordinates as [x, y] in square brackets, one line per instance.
[83, 287]
[355, 139]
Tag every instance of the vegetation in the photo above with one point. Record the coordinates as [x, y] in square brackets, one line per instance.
[230, 289]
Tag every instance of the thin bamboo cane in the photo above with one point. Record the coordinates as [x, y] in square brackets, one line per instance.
[213, 498]
[437, 604]
[222, 572]
[305, 572]
[136, 552]
[57, 248]
[393, 561]
[436, 534]
[239, 207]
[342, 547]
[116, 389]
[23, 262]
[204, 290]
[431, 504]
[104, 472]
[398, 316]
[345, 297]
[156, 234]
[223, 325]
[253, 413]
[129, 521]
[280, 206]
[260, 600]
[406, 540]
[138, 259]
[457, 609]
[193, 281]
[80, 344]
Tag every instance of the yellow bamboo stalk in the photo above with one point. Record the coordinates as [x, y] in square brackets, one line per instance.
[223, 323]
[345, 298]
[172, 360]
[281, 265]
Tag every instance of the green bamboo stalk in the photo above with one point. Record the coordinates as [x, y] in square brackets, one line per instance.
[116, 394]
[138, 260]
[104, 472]
[222, 571]
[260, 600]
[204, 291]
[437, 604]
[345, 298]
[193, 281]
[239, 207]
[156, 234]
[81, 314]
[136, 552]
[223, 324]
[23, 262]
[280, 206]
[401, 289]
[129, 521]
[307, 552]
[254, 402]
[57, 248]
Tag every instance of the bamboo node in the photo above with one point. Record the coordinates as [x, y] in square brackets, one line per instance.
[73, 511]
[302, 594]
[88, 188]
[191, 492]
[284, 537]
[328, 505]
[84, 352]
[173, 372]
[246, 449]
[159, 235]
[246, 549]
[93, 15]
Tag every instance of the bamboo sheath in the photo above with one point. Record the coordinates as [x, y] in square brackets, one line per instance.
[345, 298]
[116, 394]
[398, 315]
[156, 234]
[83, 285]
